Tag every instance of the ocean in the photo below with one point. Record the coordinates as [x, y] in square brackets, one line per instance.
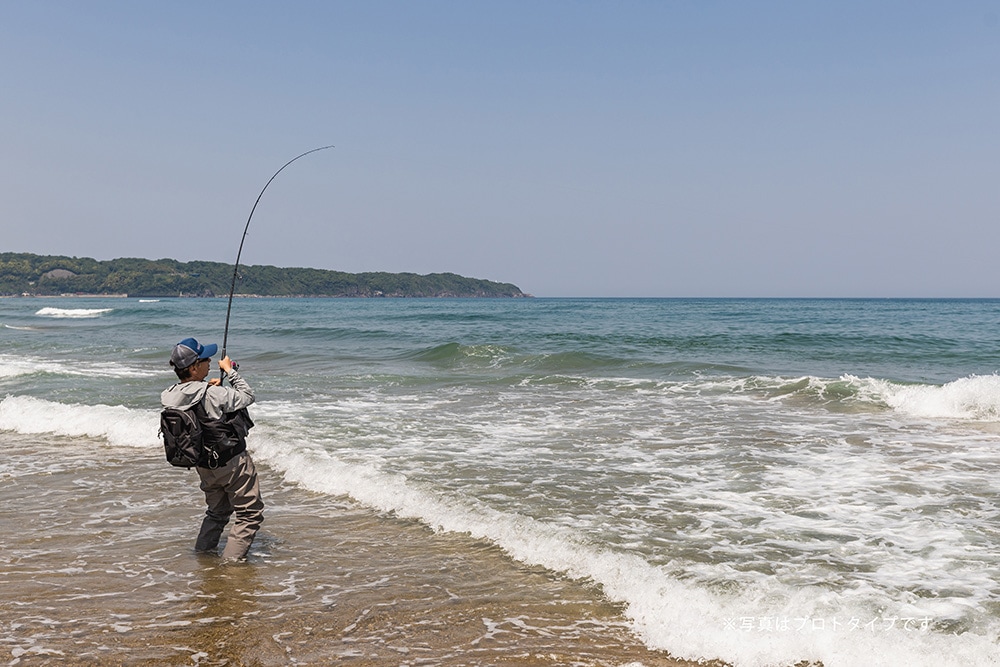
[519, 481]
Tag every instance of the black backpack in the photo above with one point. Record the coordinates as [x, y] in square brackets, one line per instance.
[192, 438]
[183, 433]
[183, 439]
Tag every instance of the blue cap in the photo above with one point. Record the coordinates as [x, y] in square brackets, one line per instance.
[189, 351]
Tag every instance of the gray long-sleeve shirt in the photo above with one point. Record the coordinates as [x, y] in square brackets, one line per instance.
[218, 400]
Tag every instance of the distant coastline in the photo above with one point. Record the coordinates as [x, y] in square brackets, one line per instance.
[29, 275]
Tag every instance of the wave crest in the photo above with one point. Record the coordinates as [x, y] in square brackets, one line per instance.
[975, 398]
[118, 425]
[972, 398]
[72, 312]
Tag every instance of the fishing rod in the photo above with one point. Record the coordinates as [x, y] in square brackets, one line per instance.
[236, 267]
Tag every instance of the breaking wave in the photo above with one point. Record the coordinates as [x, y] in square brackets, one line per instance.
[77, 313]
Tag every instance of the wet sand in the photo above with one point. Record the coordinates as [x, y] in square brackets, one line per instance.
[98, 568]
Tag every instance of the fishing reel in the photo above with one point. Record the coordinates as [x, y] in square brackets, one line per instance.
[234, 364]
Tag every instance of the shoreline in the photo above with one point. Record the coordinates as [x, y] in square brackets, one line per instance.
[327, 582]
[253, 296]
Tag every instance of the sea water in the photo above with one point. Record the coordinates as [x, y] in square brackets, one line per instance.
[758, 481]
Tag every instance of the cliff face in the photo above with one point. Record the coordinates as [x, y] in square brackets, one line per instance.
[46, 275]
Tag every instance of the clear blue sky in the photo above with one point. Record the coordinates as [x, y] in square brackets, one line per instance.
[572, 148]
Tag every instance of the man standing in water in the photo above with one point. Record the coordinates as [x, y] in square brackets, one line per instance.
[230, 480]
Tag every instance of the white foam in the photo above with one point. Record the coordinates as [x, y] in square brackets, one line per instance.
[976, 398]
[118, 425]
[750, 625]
[72, 312]
[700, 610]
[14, 366]
[973, 398]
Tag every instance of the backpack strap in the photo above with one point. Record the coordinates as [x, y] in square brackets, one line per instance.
[201, 414]
[199, 408]
[222, 438]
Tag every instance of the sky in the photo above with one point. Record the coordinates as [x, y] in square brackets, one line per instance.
[576, 149]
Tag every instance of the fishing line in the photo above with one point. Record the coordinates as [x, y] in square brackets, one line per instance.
[236, 268]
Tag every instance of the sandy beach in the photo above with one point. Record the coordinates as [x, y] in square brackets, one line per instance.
[92, 576]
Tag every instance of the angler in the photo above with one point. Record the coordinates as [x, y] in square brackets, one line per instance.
[219, 422]
[228, 476]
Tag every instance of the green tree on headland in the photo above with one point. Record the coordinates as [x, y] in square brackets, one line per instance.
[46, 275]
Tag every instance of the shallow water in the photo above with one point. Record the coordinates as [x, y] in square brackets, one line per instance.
[96, 569]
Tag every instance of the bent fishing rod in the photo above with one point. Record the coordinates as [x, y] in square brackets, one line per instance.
[236, 267]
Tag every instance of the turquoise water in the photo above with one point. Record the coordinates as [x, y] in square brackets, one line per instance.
[762, 481]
